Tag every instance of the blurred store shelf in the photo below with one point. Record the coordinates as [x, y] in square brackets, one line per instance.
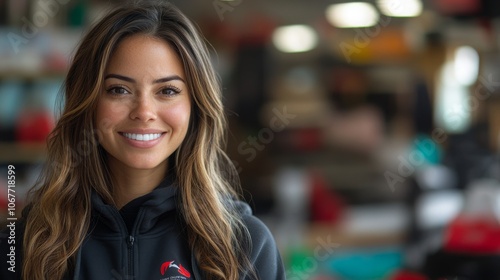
[22, 153]
[30, 75]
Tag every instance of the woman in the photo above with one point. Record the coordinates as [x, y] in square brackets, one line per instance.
[137, 185]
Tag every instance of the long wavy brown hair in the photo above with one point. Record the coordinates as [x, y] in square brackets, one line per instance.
[60, 206]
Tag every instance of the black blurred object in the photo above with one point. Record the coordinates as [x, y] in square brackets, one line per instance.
[461, 266]
[466, 9]
[465, 153]
[3, 12]
[423, 117]
[7, 134]
[386, 102]
[250, 78]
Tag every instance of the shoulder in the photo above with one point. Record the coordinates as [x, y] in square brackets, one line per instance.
[259, 232]
[264, 256]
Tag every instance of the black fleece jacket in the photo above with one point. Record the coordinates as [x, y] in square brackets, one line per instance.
[152, 247]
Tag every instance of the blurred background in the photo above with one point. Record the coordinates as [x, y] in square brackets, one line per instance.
[366, 133]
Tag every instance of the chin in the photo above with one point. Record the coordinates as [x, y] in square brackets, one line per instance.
[145, 166]
[138, 163]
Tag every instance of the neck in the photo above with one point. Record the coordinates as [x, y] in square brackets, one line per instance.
[130, 183]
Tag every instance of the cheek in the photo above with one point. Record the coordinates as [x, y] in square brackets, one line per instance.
[178, 116]
[107, 114]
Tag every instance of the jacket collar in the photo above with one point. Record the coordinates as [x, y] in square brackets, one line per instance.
[161, 200]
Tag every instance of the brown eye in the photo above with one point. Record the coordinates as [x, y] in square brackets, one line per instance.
[117, 90]
[170, 91]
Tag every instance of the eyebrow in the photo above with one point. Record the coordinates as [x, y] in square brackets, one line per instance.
[157, 81]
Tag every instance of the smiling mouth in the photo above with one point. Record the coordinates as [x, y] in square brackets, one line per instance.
[142, 137]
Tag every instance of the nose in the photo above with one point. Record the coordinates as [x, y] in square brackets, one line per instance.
[143, 109]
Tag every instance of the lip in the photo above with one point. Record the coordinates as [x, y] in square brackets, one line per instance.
[142, 131]
[142, 144]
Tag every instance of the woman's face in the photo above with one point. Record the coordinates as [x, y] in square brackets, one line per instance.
[144, 108]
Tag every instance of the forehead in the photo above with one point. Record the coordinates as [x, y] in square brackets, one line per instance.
[142, 54]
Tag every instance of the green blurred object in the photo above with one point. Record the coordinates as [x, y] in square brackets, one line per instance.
[301, 264]
[77, 14]
[365, 264]
[428, 148]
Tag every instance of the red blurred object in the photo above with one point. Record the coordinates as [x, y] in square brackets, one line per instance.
[3, 199]
[458, 7]
[473, 235]
[326, 206]
[34, 126]
[258, 30]
[405, 275]
[308, 139]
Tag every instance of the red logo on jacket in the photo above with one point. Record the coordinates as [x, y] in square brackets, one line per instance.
[167, 265]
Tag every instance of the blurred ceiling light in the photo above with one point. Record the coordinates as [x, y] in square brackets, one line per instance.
[437, 209]
[400, 8]
[466, 65]
[350, 15]
[295, 38]
[453, 107]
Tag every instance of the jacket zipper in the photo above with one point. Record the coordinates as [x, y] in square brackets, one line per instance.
[130, 243]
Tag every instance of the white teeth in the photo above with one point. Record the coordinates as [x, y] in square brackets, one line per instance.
[142, 137]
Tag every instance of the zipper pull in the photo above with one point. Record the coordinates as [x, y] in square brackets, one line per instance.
[130, 241]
